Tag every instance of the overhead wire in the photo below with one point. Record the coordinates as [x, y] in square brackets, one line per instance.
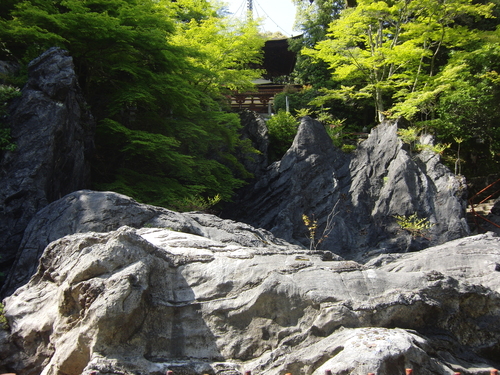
[269, 17]
[241, 8]
[241, 13]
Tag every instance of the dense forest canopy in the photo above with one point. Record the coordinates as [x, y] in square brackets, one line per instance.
[156, 74]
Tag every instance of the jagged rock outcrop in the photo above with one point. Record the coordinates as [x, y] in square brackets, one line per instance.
[53, 132]
[92, 211]
[143, 301]
[254, 129]
[360, 192]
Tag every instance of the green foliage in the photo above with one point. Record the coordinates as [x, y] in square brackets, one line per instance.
[435, 63]
[196, 203]
[155, 74]
[313, 18]
[334, 127]
[282, 130]
[411, 136]
[303, 112]
[3, 320]
[222, 64]
[348, 148]
[413, 224]
[389, 50]
[151, 167]
[6, 94]
[297, 99]
[467, 106]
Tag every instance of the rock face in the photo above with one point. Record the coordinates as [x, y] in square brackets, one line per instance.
[86, 211]
[53, 132]
[255, 130]
[358, 194]
[143, 301]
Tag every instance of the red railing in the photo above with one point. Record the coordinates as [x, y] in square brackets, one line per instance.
[474, 205]
[253, 101]
[258, 100]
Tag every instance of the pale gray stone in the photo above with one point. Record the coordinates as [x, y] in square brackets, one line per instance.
[149, 300]
[86, 211]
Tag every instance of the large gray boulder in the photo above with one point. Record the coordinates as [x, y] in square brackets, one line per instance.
[53, 132]
[358, 194]
[92, 211]
[144, 301]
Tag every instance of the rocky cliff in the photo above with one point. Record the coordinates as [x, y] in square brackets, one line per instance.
[53, 132]
[219, 297]
[358, 194]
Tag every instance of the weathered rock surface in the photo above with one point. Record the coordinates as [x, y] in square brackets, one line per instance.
[92, 211]
[53, 132]
[143, 301]
[254, 129]
[363, 191]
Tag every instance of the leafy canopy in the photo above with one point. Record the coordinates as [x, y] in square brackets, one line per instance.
[155, 73]
[387, 50]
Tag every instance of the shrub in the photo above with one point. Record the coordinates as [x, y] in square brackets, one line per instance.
[6, 94]
[282, 130]
[411, 137]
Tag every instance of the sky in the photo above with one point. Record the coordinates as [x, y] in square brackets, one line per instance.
[278, 15]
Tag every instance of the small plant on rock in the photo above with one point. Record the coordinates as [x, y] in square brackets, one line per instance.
[303, 112]
[413, 224]
[312, 226]
[437, 149]
[458, 167]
